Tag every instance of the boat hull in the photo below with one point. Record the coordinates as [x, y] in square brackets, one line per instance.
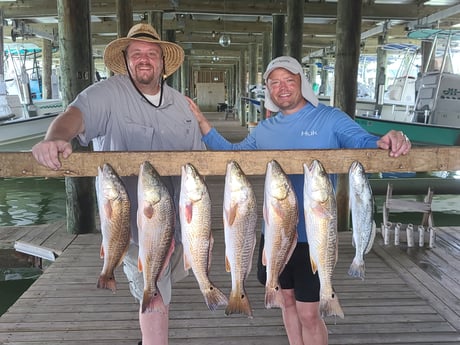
[418, 133]
[13, 133]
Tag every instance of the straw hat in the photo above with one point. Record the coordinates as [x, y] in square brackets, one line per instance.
[113, 54]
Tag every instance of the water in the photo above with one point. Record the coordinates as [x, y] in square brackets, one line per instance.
[25, 201]
[28, 201]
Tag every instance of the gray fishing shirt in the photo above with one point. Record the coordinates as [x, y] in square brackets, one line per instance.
[118, 118]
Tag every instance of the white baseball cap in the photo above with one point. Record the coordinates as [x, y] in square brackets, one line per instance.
[293, 66]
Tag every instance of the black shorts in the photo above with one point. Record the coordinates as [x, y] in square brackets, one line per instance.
[296, 275]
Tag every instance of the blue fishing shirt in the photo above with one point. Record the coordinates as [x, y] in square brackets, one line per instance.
[321, 127]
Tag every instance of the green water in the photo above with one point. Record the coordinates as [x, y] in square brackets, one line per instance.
[27, 201]
[11, 290]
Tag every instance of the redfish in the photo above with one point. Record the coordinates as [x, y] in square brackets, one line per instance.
[155, 222]
[321, 222]
[240, 218]
[281, 215]
[114, 213]
[197, 239]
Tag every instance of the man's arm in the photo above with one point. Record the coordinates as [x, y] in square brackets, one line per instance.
[61, 131]
[203, 122]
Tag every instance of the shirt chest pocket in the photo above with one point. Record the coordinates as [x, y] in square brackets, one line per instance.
[139, 137]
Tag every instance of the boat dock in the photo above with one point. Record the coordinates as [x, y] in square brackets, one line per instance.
[409, 295]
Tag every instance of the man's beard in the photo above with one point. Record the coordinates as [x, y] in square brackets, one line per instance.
[145, 80]
[144, 77]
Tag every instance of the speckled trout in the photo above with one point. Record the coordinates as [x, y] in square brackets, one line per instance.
[197, 239]
[321, 223]
[240, 218]
[155, 223]
[281, 215]
[114, 212]
[362, 208]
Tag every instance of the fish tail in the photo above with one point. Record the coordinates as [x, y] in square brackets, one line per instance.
[357, 269]
[238, 303]
[273, 297]
[331, 307]
[152, 302]
[107, 281]
[214, 297]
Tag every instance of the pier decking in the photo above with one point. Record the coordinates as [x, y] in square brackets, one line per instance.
[409, 296]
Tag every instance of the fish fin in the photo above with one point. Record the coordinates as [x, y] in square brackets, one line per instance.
[107, 281]
[211, 244]
[153, 302]
[371, 238]
[167, 258]
[188, 212]
[101, 253]
[273, 297]
[331, 307]
[321, 211]
[250, 258]
[148, 210]
[123, 254]
[214, 297]
[231, 215]
[357, 269]
[265, 215]
[238, 303]
[139, 264]
[314, 268]
[108, 209]
[187, 264]
[279, 210]
[228, 267]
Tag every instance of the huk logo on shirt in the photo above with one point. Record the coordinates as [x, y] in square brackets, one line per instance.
[308, 133]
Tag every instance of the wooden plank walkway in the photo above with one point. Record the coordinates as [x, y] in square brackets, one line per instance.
[409, 296]
[44, 241]
[397, 303]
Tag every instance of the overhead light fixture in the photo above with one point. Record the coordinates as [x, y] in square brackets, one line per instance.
[225, 40]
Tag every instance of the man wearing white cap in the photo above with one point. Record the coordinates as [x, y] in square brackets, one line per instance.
[300, 122]
[134, 110]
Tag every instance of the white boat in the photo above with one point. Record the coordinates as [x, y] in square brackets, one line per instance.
[24, 115]
[24, 127]
[433, 118]
[20, 134]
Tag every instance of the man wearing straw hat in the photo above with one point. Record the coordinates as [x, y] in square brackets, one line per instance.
[134, 110]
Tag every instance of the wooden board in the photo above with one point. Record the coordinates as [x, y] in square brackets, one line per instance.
[46, 241]
[22, 164]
